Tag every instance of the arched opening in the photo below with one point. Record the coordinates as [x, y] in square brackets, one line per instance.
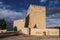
[35, 26]
[44, 33]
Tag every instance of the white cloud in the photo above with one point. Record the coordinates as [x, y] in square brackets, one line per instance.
[53, 20]
[53, 17]
[43, 0]
[10, 14]
[56, 2]
[4, 5]
[1, 2]
[53, 2]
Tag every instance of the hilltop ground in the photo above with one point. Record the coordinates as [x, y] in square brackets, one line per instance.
[15, 36]
[20, 37]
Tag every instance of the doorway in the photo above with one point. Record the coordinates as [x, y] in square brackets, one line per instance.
[44, 33]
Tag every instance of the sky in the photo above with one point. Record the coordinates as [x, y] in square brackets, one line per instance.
[12, 10]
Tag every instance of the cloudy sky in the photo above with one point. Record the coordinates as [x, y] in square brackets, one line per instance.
[17, 9]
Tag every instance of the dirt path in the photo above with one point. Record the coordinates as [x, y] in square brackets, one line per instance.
[30, 38]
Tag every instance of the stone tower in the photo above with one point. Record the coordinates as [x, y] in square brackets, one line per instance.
[37, 16]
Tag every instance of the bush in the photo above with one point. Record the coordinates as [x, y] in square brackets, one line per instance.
[2, 24]
[15, 28]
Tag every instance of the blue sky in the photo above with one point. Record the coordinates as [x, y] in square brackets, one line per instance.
[17, 9]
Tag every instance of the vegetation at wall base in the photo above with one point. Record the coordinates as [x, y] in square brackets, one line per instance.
[2, 24]
[15, 28]
[27, 21]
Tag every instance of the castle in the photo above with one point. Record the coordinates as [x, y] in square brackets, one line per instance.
[35, 22]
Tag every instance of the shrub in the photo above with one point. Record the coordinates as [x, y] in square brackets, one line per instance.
[15, 28]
